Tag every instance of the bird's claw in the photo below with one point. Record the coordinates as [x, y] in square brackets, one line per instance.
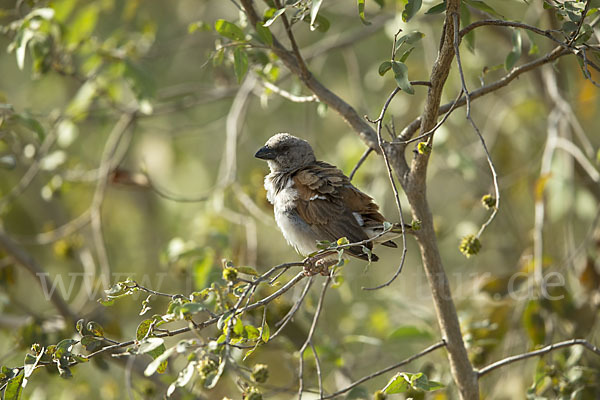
[317, 265]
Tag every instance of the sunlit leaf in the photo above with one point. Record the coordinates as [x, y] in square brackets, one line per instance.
[148, 344]
[266, 333]
[276, 15]
[160, 362]
[314, 11]
[361, 12]
[14, 388]
[229, 30]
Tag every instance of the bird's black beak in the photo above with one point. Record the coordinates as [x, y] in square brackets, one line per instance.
[265, 153]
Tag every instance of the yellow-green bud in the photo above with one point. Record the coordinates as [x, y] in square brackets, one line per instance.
[488, 201]
[379, 395]
[260, 373]
[252, 393]
[469, 245]
[423, 148]
[230, 274]
[416, 225]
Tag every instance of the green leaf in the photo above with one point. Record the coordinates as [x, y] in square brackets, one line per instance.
[384, 67]
[409, 38]
[411, 9]
[398, 384]
[264, 34]
[30, 363]
[343, 241]
[31, 123]
[188, 309]
[251, 332]
[229, 30]
[83, 24]
[240, 63]
[437, 9]
[14, 388]
[533, 47]
[248, 271]
[63, 348]
[361, 12]
[387, 225]
[198, 25]
[534, 323]
[465, 19]
[265, 335]
[405, 55]
[91, 343]
[322, 24]
[314, 11]
[213, 378]
[95, 329]
[159, 362]
[401, 76]
[480, 5]
[409, 332]
[148, 344]
[23, 38]
[515, 53]
[238, 327]
[276, 15]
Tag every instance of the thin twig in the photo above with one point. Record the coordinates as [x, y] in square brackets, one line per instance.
[470, 118]
[545, 350]
[387, 369]
[287, 95]
[360, 162]
[107, 164]
[21, 257]
[309, 337]
[394, 188]
[435, 128]
[288, 29]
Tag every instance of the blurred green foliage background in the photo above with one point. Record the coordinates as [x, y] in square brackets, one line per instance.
[91, 61]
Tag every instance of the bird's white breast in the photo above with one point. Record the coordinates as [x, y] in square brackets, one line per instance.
[297, 232]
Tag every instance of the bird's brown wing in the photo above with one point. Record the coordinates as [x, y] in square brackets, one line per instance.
[327, 201]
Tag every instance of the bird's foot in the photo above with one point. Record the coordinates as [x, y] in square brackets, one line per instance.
[317, 265]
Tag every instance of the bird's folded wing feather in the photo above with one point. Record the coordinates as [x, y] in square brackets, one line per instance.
[327, 201]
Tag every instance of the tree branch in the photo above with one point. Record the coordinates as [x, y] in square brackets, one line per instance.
[545, 350]
[387, 369]
[40, 276]
[347, 112]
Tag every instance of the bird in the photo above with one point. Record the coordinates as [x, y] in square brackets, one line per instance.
[315, 201]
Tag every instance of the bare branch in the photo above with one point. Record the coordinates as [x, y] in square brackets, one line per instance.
[309, 338]
[40, 276]
[388, 369]
[411, 128]
[360, 162]
[396, 195]
[287, 95]
[540, 352]
[107, 164]
[470, 118]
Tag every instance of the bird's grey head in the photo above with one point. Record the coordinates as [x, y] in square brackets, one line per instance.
[285, 153]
